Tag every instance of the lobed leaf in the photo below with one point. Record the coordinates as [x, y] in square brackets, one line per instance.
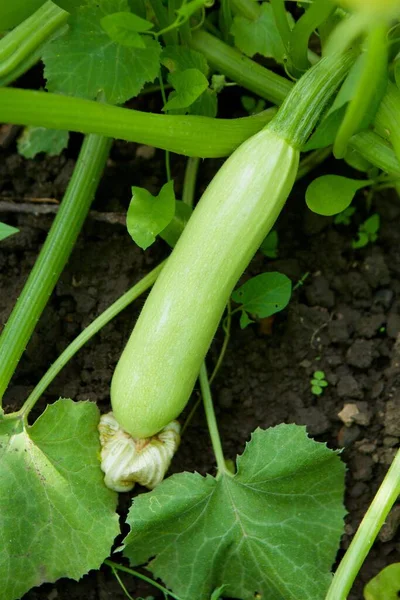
[272, 529]
[259, 36]
[148, 215]
[57, 518]
[85, 62]
[188, 86]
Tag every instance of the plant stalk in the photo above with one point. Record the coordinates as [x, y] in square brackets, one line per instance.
[53, 255]
[112, 311]
[24, 41]
[365, 536]
[184, 134]
[212, 422]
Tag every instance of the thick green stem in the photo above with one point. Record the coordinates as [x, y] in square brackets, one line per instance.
[366, 533]
[376, 151]
[387, 120]
[240, 68]
[369, 89]
[53, 255]
[184, 134]
[112, 311]
[24, 41]
[212, 422]
[303, 108]
[316, 14]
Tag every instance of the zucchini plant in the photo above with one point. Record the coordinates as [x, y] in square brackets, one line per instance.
[270, 525]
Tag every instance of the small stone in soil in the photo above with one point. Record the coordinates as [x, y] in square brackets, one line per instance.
[347, 414]
[314, 419]
[392, 417]
[393, 325]
[389, 528]
[360, 354]
[348, 435]
[348, 387]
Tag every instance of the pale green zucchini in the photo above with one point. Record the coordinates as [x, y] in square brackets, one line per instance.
[159, 366]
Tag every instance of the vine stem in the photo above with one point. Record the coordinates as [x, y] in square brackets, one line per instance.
[189, 181]
[116, 566]
[316, 14]
[102, 320]
[212, 422]
[53, 255]
[368, 530]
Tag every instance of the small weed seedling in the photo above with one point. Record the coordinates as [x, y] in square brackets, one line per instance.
[318, 383]
[367, 232]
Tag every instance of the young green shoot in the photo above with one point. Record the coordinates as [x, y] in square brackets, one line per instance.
[318, 383]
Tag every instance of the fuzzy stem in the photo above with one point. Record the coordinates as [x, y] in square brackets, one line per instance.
[112, 311]
[53, 255]
[212, 422]
[369, 528]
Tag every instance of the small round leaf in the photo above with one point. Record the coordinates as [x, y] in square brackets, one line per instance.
[331, 194]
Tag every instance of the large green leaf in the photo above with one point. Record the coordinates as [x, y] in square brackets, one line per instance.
[259, 36]
[330, 195]
[86, 62]
[57, 518]
[273, 528]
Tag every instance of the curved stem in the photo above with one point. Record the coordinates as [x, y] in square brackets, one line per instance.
[369, 90]
[53, 255]
[369, 528]
[118, 567]
[376, 151]
[212, 422]
[112, 311]
[316, 14]
[189, 135]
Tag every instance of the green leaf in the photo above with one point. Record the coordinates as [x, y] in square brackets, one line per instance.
[57, 518]
[149, 215]
[319, 375]
[272, 529]
[367, 232]
[316, 390]
[180, 58]
[206, 104]
[69, 5]
[264, 295]
[332, 194]
[269, 247]
[188, 85]
[85, 62]
[39, 139]
[259, 36]
[6, 231]
[173, 230]
[344, 217]
[245, 320]
[385, 586]
[124, 28]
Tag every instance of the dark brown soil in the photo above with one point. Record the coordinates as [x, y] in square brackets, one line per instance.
[345, 320]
